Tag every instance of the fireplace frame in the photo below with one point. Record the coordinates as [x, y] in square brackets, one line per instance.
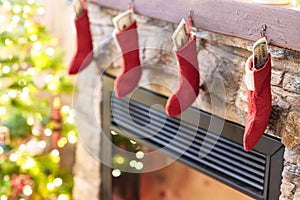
[270, 148]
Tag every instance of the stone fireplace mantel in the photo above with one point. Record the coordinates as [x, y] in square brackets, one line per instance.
[219, 56]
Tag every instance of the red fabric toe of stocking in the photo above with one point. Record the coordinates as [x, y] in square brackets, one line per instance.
[259, 103]
[84, 54]
[189, 78]
[131, 70]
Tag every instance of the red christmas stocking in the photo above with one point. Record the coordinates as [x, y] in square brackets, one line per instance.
[131, 70]
[188, 89]
[258, 83]
[84, 54]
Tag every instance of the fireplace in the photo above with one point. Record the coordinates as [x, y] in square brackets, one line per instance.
[216, 158]
[174, 181]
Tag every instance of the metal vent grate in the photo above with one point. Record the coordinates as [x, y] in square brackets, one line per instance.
[227, 160]
[256, 173]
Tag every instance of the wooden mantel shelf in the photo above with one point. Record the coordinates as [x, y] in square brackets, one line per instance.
[228, 17]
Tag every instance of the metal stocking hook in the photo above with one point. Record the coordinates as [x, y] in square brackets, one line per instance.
[190, 21]
[190, 17]
[191, 13]
[263, 30]
[131, 4]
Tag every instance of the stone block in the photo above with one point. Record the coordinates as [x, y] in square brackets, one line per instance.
[297, 194]
[284, 198]
[242, 98]
[291, 66]
[277, 120]
[291, 173]
[243, 45]
[277, 76]
[287, 189]
[221, 71]
[293, 99]
[291, 156]
[291, 82]
[285, 65]
[83, 189]
[87, 167]
[279, 98]
[291, 131]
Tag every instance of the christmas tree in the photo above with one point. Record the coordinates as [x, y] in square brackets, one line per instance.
[35, 125]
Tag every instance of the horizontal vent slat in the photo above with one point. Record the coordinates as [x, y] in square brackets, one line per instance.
[187, 141]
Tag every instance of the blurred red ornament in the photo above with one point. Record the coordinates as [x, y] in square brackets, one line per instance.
[56, 121]
[18, 182]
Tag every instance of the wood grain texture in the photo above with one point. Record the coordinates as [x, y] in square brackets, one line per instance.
[233, 18]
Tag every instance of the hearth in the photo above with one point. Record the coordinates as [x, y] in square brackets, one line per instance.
[134, 124]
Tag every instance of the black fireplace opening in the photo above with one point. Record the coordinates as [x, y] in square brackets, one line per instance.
[133, 124]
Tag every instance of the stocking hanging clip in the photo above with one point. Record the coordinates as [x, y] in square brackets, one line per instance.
[260, 49]
[190, 21]
[131, 5]
[263, 31]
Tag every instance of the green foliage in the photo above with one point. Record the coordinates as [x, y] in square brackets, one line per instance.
[7, 167]
[17, 125]
[31, 75]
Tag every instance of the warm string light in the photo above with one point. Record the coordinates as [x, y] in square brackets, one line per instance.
[42, 144]
[13, 157]
[139, 165]
[113, 132]
[27, 190]
[30, 1]
[22, 147]
[48, 132]
[41, 11]
[27, 73]
[1, 150]
[58, 182]
[24, 94]
[30, 121]
[132, 141]
[72, 138]
[119, 159]
[16, 9]
[3, 197]
[65, 109]
[55, 153]
[31, 71]
[2, 111]
[12, 94]
[62, 142]
[50, 186]
[35, 147]
[63, 197]
[4, 97]
[6, 5]
[29, 163]
[116, 173]
[139, 155]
